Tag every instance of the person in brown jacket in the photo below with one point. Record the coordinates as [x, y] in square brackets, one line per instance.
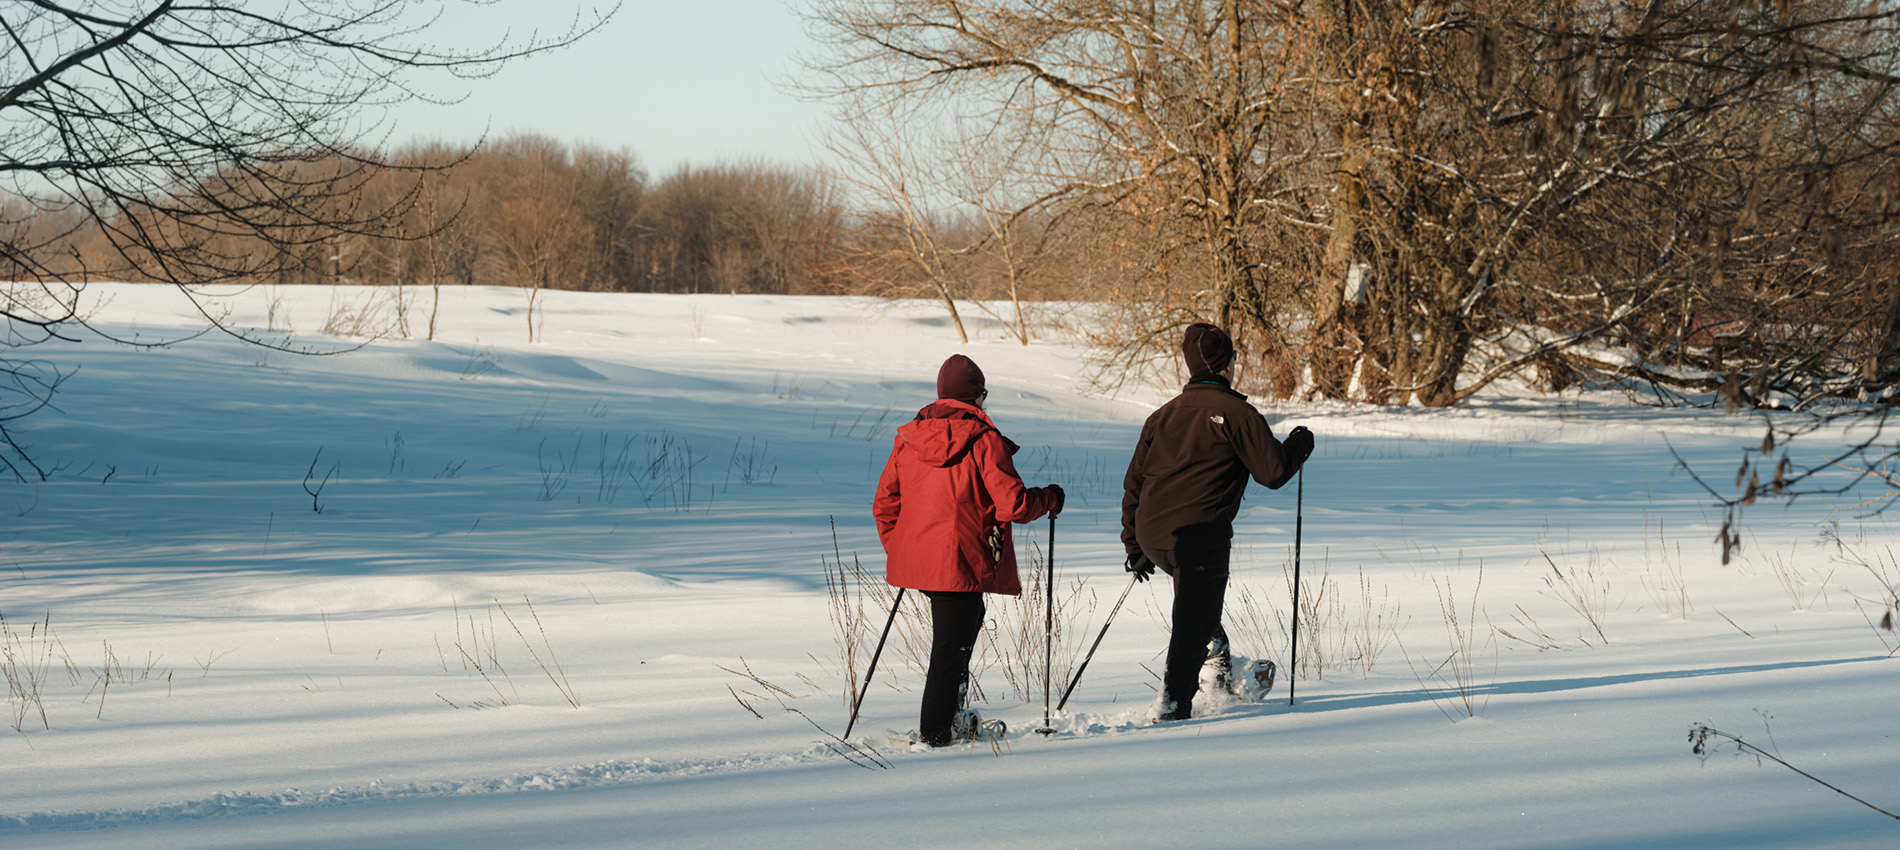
[1180, 496]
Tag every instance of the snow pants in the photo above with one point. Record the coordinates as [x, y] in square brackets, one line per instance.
[1200, 588]
[956, 619]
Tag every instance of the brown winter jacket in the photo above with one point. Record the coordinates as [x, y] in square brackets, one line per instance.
[1190, 468]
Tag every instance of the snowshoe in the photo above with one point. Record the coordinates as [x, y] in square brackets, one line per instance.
[1250, 681]
[970, 726]
[1263, 673]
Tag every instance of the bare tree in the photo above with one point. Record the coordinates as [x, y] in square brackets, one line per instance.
[995, 178]
[900, 246]
[737, 227]
[1538, 184]
[534, 222]
[1407, 201]
[1011, 255]
[183, 133]
[611, 193]
[1166, 114]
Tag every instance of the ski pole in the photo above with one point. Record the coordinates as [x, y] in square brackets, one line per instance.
[1048, 629]
[1299, 519]
[1098, 642]
[873, 670]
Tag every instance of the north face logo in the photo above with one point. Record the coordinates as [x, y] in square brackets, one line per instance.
[1217, 419]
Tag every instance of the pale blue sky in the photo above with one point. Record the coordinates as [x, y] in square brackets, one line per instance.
[688, 81]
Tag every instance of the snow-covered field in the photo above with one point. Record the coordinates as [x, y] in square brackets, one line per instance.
[512, 622]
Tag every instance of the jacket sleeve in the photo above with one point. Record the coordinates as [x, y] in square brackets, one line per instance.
[1131, 487]
[1014, 502]
[1261, 452]
[885, 506]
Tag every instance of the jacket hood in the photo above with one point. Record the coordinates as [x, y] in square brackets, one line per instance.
[945, 430]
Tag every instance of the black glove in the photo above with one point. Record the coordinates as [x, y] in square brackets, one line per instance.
[1299, 445]
[1139, 564]
[1060, 498]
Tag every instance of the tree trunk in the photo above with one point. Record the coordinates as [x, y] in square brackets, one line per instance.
[1880, 358]
[950, 304]
[1330, 363]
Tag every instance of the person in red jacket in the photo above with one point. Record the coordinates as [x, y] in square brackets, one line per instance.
[1180, 496]
[943, 508]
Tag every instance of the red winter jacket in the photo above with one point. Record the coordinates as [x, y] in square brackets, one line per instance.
[945, 502]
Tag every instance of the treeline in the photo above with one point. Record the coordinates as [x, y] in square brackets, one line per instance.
[528, 210]
[524, 210]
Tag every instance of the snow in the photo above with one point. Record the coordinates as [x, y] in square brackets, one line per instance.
[275, 676]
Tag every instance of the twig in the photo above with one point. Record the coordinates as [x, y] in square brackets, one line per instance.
[479, 670]
[561, 684]
[315, 503]
[743, 704]
[755, 678]
[1738, 628]
[852, 753]
[1700, 733]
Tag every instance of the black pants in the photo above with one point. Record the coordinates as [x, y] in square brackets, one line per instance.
[956, 619]
[1200, 588]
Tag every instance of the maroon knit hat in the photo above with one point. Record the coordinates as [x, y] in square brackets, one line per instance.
[1208, 349]
[959, 378]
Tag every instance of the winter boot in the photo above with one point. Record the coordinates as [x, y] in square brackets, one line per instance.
[1167, 710]
[1217, 670]
[963, 727]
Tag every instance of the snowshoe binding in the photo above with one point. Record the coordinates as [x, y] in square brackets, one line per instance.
[970, 726]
